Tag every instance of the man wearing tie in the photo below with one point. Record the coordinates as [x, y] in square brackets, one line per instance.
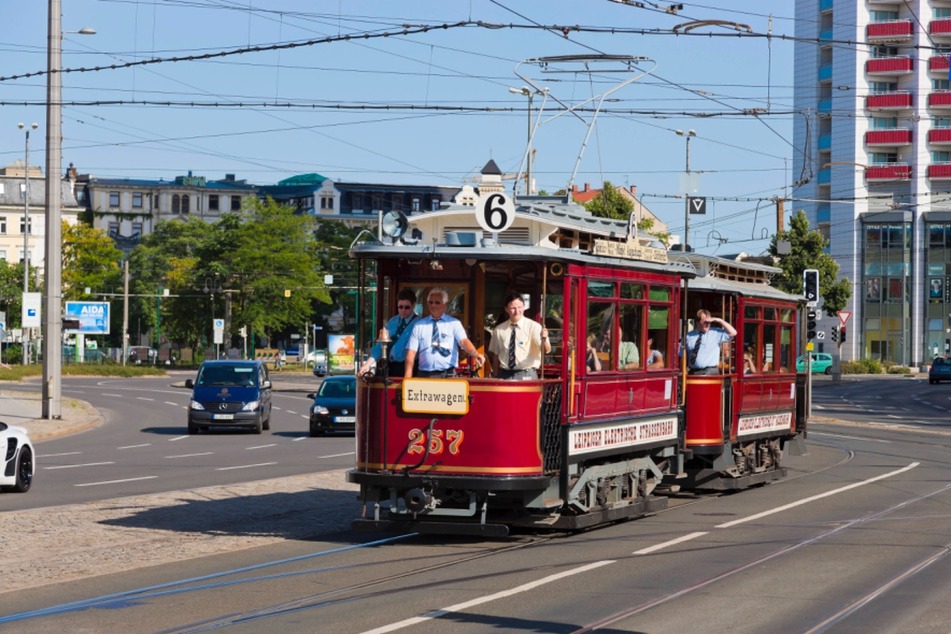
[435, 340]
[703, 343]
[399, 328]
[518, 343]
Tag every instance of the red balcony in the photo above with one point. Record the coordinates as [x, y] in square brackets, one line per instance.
[939, 100]
[940, 171]
[890, 172]
[889, 66]
[938, 64]
[888, 137]
[889, 101]
[939, 136]
[893, 31]
[940, 27]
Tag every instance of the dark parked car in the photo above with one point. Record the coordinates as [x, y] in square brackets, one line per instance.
[230, 394]
[940, 370]
[335, 405]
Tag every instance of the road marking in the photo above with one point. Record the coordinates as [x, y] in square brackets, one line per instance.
[819, 433]
[192, 455]
[114, 395]
[74, 466]
[95, 484]
[893, 416]
[673, 542]
[290, 411]
[300, 439]
[337, 455]
[273, 444]
[57, 455]
[145, 444]
[171, 403]
[144, 398]
[486, 599]
[786, 507]
[247, 466]
[177, 438]
[818, 407]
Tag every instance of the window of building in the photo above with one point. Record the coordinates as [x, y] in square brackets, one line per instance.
[113, 199]
[880, 158]
[941, 122]
[416, 204]
[3, 254]
[940, 84]
[884, 123]
[113, 228]
[377, 202]
[186, 203]
[942, 156]
[137, 200]
[884, 86]
[26, 228]
[22, 191]
[883, 16]
[940, 13]
[436, 203]
[357, 202]
[327, 202]
[136, 229]
[176, 204]
[213, 202]
[3, 225]
[236, 203]
[879, 52]
[2, 191]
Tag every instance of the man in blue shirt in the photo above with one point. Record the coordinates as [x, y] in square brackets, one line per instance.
[399, 326]
[703, 343]
[435, 339]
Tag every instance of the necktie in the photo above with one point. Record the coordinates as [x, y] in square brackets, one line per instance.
[512, 347]
[696, 349]
[399, 331]
[436, 341]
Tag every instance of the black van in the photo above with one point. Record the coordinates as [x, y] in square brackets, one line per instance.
[230, 394]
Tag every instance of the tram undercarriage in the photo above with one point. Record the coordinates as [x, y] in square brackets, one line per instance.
[734, 467]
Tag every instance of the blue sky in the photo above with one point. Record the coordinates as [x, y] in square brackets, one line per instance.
[429, 93]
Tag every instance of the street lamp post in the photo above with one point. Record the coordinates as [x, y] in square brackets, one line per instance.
[687, 135]
[53, 309]
[26, 229]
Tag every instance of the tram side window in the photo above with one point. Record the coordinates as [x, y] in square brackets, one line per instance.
[752, 349]
[629, 349]
[771, 357]
[600, 323]
[658, 338]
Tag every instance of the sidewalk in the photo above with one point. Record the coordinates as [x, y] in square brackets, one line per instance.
[26, 410]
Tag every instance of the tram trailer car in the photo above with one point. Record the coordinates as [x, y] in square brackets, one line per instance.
[591, 440]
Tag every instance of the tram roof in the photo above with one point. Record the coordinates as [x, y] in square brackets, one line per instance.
[547, 228]
[750, 279]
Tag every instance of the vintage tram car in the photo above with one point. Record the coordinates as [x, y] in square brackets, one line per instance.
[589, 441]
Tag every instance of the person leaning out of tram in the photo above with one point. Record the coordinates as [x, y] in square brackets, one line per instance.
[399, 328]
[518, 343]
[703, 343]
[436, 340]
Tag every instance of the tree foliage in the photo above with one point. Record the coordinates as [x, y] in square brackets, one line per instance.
[808, 252]
[90, 260]
[610, 204]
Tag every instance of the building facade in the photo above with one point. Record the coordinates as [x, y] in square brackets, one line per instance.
[872, 168]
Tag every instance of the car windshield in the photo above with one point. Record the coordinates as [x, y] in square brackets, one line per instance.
[938, 361]
[227, 375]
[338, 389]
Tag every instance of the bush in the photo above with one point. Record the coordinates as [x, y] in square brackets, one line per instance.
[20, 372]
[864, 366]
[898, 369]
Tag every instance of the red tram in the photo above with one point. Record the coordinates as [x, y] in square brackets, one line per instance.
[590, 441]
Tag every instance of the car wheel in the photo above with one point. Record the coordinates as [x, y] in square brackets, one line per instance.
[24, 479]
[258, 426]
[193, 429]
[267, 424]
[828, 370]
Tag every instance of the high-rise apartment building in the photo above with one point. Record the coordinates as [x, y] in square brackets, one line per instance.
[873, 165]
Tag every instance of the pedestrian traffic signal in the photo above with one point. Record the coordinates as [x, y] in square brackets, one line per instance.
[835, 334]
[810, 286]
[842, 335]
[811, 324]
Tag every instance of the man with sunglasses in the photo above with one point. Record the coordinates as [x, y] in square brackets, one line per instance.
[399, 326]
[437, 339]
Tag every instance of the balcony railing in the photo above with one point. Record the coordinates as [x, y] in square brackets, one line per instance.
[941, 100]
[893, 30]
[902, 65]
[888, 137]
[939, 136]
[888, 172]
[940, 27]
[899, 100]
[939, 171]
[938, 64]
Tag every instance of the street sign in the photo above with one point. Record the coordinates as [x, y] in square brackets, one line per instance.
[696, 205]
[821, 334]
[844, 316]
[810, 346]
[31, 316]
[219, 326]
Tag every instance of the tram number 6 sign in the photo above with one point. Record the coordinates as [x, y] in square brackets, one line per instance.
[495, 212]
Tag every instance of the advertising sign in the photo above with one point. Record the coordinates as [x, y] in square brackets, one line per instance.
[341, 354]
[93, 317]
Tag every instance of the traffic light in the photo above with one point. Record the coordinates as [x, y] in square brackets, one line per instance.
[811, 324]
[835, 334]
[842, 335]
[810, 285]
[287, 292]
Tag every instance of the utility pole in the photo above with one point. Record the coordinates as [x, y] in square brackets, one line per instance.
[125, 310]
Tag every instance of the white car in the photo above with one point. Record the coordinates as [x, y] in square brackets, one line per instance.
[16, 473]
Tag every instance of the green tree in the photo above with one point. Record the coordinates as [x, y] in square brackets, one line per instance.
[807, 252]
[610, 204]
[90, 260]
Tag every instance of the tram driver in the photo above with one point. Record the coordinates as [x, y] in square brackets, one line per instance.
[703, 343]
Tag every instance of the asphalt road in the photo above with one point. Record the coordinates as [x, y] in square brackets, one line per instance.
[855, 539]
[143, 446]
